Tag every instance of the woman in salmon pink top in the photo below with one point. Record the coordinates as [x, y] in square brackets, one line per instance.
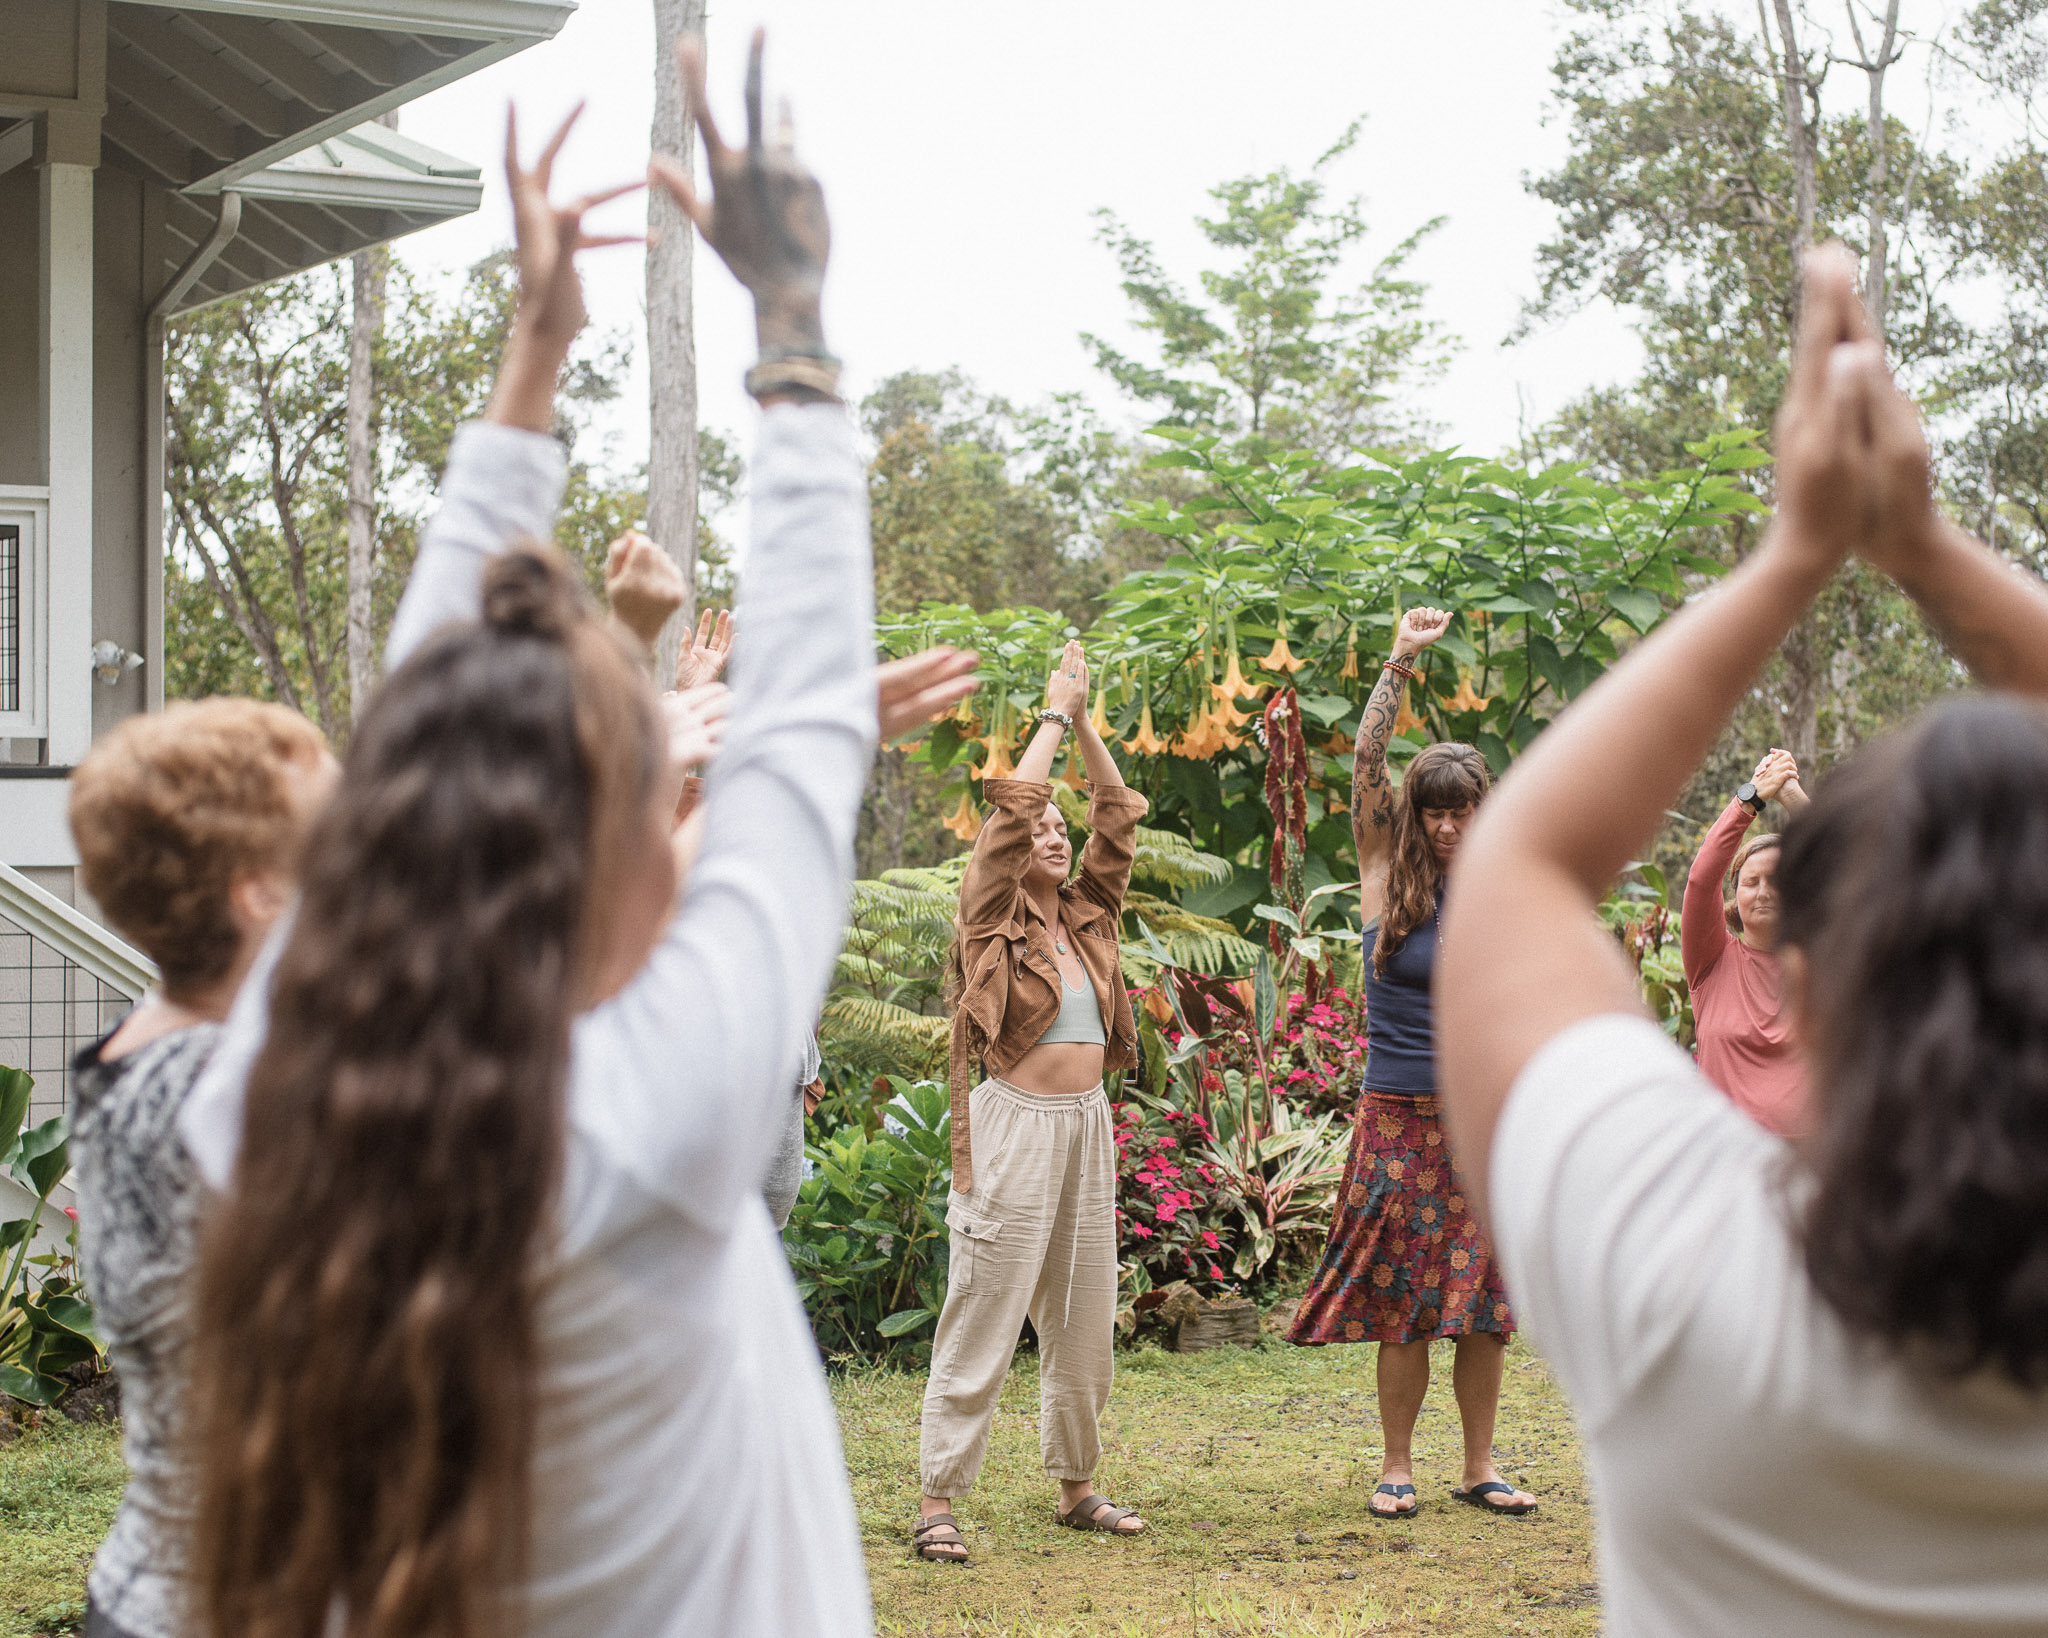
[1739, 1015]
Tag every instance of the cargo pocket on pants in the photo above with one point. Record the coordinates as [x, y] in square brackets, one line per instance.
[973, 1239]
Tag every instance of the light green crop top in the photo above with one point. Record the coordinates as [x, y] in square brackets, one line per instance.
[1079, 1018]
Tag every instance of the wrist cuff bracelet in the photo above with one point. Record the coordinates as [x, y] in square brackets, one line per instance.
[801, 373]
[1400, 667]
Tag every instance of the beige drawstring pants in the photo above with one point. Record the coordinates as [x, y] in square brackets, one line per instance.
[1035, 1236]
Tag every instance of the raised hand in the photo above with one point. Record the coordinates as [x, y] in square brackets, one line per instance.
[916, 689]
[1774, 773]
[1419, 628]
[1853, 472]
[549, 235]
[696, 723]
[642, 584]
[1066, 690]
[766, 214]
[703, 659]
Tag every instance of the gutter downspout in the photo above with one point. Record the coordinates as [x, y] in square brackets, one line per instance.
[225, 228]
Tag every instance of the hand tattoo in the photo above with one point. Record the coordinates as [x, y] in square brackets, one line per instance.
[1372, 795]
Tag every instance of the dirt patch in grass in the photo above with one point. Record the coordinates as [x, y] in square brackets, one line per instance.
[1252, 1467]
[59, 1486]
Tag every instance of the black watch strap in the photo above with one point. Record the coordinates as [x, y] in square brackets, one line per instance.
[1745, 793]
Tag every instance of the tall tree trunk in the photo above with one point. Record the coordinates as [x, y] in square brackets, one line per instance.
[1800, 140]
[1805, 649]
[366, 327]
[671, 338]
[1876, 274]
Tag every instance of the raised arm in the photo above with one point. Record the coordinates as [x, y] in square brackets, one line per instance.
[686, 1071]
[1703, 935]
[1522, 955]
[1372, 789]
[1993, 615]
[505, 473]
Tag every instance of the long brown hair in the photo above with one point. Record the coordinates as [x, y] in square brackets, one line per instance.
[1450, 775]
[365, 1356]
[1915, 891]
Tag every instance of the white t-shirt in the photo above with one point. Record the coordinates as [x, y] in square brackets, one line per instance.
[1755, 1470]
[688, 1477]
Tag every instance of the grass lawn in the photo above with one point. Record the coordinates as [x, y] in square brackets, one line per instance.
[1234, 1456]
[58, 1489]
[1252, 1468]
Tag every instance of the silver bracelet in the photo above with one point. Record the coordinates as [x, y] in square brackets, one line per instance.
[1060, 717]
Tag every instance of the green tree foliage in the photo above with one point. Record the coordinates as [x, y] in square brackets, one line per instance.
[1677, 201]
[1550, 570]
[1280, 355]
[255, 572]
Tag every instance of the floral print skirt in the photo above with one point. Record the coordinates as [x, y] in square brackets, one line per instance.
[1405, 1261]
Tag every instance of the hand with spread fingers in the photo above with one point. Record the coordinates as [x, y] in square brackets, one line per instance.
[550, 312]
[766, 213]
[917, 689]
[642, 585]
[703, 658]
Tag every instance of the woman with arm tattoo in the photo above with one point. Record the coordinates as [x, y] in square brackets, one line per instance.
[1406, 1262]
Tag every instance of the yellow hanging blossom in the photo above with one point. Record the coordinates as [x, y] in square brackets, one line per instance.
[963, 821]
[1407, 719]
[1282, 658]
[1073, 780]
[1098, 719]
[1465, 699]
[1146, 742]
[998, 765]
[1234, 685]
[1350, 663]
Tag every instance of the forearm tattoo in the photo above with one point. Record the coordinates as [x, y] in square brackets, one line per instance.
[1372, 796]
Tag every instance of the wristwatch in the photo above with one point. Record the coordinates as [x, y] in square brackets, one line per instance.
[1060, 717]
[1745, 793]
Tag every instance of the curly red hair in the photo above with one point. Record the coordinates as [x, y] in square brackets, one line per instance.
[171, 807]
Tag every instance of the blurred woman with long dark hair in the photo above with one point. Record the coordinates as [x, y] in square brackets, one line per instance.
[1811, 1379]
[1406, 1262]
[493, 1333]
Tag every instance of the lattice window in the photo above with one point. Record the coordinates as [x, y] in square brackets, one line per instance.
[50, 1007]
[10, 617]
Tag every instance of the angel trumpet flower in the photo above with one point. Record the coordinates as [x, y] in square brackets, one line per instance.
[1145, 742]
[1098, 719]
[963, 821]
[1465, 699]
[1282, 658]
[998, 765]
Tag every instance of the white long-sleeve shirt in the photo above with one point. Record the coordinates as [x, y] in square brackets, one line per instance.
[688, 1477]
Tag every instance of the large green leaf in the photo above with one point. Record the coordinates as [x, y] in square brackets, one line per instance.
[29, 1386]
[41, 1157]
[905, 1321]
[15, 1087]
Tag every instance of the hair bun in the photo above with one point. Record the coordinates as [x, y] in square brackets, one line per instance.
[532, 592]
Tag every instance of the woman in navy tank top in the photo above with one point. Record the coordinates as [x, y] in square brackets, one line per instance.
[1406, 1262]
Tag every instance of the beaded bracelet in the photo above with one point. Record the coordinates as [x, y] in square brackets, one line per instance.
[1400, 668]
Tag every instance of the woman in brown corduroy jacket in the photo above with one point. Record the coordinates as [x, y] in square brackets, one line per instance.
[1033, 1212]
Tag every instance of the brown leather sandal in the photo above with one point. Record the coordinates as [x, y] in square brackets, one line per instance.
[929, 1526]
[1093, 1512]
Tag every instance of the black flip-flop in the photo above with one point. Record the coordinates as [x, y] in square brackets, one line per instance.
[1476, 1497]
[1397, 1491]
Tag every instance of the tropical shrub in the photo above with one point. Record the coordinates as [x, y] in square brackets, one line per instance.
[1166, 1199]
[1549, 571]
[867, 1236]
[46, 1321]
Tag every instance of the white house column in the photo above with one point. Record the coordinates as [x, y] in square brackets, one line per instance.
[67, 291]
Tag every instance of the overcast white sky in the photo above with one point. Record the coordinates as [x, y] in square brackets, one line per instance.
[964, 146]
